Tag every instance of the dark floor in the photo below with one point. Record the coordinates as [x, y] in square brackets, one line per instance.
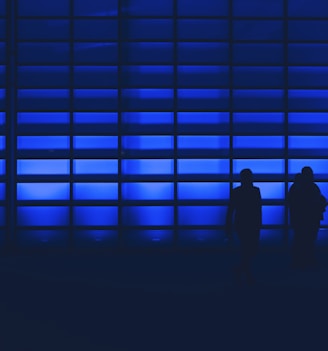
[161, 302]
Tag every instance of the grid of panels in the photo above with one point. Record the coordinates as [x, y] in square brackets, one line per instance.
[134, 118]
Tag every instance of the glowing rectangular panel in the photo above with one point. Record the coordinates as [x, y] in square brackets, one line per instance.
[203, 191]
[258, 99]
[308, 145]
[2, 191]
[95, 142]
[203, 166]
[43, 167]
[43, 191]
[305, 122]
[203, 142]
[263, 122]
[269, 190]
[95, 191]
[148, 191]
[150, 99]
[42, 142]
[203, 99]
[273, 215]
[148, 215]
[148, 118]
[308, 99]
[42, 215]
[95, 166]
[260, 166]
[147, 167]
[43, 118]
[147, 142]
[258, 142]
[99, 118]
[319, 167]
[95, 215]
[201, 215]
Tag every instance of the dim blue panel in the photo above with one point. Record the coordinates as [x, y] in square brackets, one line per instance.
[148, 215]
[89, 76]
[271, 237]
[95, 237]
[202, 215]
[2, 216]
[95, 118]
[95, 191]
[147, 167]
[307, 54]
[319, 166]
[95, 215]
[203, 99]
[2, 143]
[43, 53]
[49, 77]
[2, 53]
[40, 8]
[95, 53]
[148, 29]
[147, 76]
[153, 237]
[3, 7]
[217, 120]
[2, 118]
[308, 100]
[147, 8]
[3, 72]
[308, 77]
[102, 30]
[43, 191]
[273, 215]
[249, 77]
[261, 54]
[43, 167]
[95, 142]
[95, 99]
[95, 8]
[2, 167]
[246, 122]
[203, 191]
[203, 53]
[258, 142]
[39, 99]
[258, 8]
[197, 29]
[148, 142]
[2, 191]
[42, 238]
[203, 142]
[42, 215]
[43, 118]
[258, 99]
[42, 142]
[205, 8]
[307, 8]
[147, 53]
[43, 29]
[95, 166]
[201, 237]
[148, 191]
[307, 122]
[257, 30]
[148, 118]
[3, 30]
[207, 76]
[307, 30]
[202, 166]
[322, 239]
[260, 166]
[301, 146]
[148, 99]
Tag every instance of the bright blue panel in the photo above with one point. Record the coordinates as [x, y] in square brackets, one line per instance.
[273, 215]
[269, 190]
[98, 77]
[2, 191]
[43, 167]
[95, 191]
[258, 99]
[205, 8]
[150, 99]
[260, 166]
[249, 77]
[144, 118]
[307, 30]
[96, 237]
[43, 191]
[43, 29]
[203, 142]
[147, 76]
[42, 142]
[258, 8]
[258, 142]
[102, 30]
[95, 166]
[148, 29]
[148, 142]
[147, 8]
[51, 76]
[95, 117]
[197, 29]
[95, 8]
[308, 77]
[203, 99]
[319, 166]
[308, 142]
[203, 53]
[147, 167]
[154, 237]
[262, 54]
[95, 215]
[95, 99]
[203, 191]
[42, 238]
[43, 53]
[307, 8]
[307, 54]
[308, 99]
[305, 122]
[147, 53]
[95, 53]
[40, 8]
[148, 215]
[2, 143]
[43, 118]
[42, 215]
[202, 215]
[257, 30]
[148, 191]
[257, 118]
[95, 142]
[202, 166]
[211, 118]
[207, 76]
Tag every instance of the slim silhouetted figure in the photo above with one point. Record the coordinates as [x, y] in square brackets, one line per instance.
[306, 207]
[246, 209]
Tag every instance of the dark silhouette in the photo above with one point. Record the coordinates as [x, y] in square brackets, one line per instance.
[306, 207]
[245, 206]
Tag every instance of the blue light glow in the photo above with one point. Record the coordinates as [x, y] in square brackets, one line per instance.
[43, 118]
[95, 142]
[148, 142]
[95, 215]
[203, 166]
[148, 215]
[43, 167]
[42, 215]
[43, 191]
[203, 191]
[95, 166]
[95, 191]
[148, 191]
[202, 215]
[147, 167]
[42, 142]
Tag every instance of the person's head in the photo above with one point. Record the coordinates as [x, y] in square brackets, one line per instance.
[246, 177]
[307, 174]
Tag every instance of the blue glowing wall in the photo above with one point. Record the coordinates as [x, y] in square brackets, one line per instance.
[134, 118]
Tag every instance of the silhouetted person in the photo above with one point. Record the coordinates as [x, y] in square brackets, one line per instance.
[245, 215]
[306, 206]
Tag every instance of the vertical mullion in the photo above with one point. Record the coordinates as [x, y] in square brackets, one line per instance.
[119, 124]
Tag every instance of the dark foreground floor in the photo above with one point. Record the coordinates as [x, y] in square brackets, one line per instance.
[159, 301]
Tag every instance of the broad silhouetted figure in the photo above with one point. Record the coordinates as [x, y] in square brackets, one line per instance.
[245, 217]
[306, 207]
